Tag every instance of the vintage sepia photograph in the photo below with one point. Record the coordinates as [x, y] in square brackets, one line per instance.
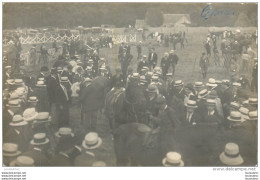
[130, 84]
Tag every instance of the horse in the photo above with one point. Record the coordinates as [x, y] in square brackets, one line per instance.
[124, 106]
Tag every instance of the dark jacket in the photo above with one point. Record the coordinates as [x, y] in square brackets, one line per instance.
[52, 85]
[152, 60]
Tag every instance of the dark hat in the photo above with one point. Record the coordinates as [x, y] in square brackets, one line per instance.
[53, 71]
[44, 68]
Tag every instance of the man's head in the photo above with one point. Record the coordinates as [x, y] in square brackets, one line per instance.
[211, 104]
[152, 91]
[191, 106]
[44, 70]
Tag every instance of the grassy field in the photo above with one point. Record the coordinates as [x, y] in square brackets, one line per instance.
[186, 70]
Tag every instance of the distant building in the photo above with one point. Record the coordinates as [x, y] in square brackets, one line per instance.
[140, 23]
[176, 20]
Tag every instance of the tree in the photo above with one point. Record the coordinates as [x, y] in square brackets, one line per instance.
[154, 17]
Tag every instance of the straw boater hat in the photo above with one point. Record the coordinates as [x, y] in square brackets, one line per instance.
[231, 155]
[7, 67]
[169, 74]
[10, 81]
[90, 61]
[99, 164]
[22, 161]
[40, 83]
[155, 78]
[14, 96]
[253, 115]
[143, 79]
[64, 131]
[13, 103]
[191, 104]
[89, 68]
[42, 117]
[198, 84]
[10, 150]
[244, 111]
[178, 83]
[18, 81]
[234, 105]
[203, 93]
[236, 84]
[92, 141]
[33, 99]
[29, 114]
[235, 116]
[150, 73]
[252, 101]
[39, 139]
[210, 102]
[17, 121]
[64, 79]
[172, 159]
[211, 83]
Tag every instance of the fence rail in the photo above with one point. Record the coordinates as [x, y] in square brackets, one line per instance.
[38, 39]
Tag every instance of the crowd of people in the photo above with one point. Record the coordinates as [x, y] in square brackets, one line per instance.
[200, 124]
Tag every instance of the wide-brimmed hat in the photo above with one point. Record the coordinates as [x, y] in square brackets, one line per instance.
[198, 84]
[64, 79]
[22, 161]
[252, 115]
[10, 150]
[33, 99]
[191, 104]
[30, 114]
[13, 103]
[235, 116]
[91, 141]
[211, 83]
[178, 83]
[17, 121]
[42, 117]
[99, 164]
[172, 159]
[231, 155]
[39, 139]
[64, 131]
[203, 93]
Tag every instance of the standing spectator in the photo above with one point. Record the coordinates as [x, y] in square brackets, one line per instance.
[139, 50]
[44, 54]
[165, 64]
[152, 59]
[142, 64]
[62, 99]
[173, 60]
[33, 55]
[254, 78]
[125, 60]
[204, 64]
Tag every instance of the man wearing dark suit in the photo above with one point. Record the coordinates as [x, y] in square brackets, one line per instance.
[152, 59]
[173, 60]
[165, 64]
[89, 97]
[43, 73]
[142, 64]
[18, 133]
[125, 60]
[191, 115]
[62, 100]
[96, 59]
